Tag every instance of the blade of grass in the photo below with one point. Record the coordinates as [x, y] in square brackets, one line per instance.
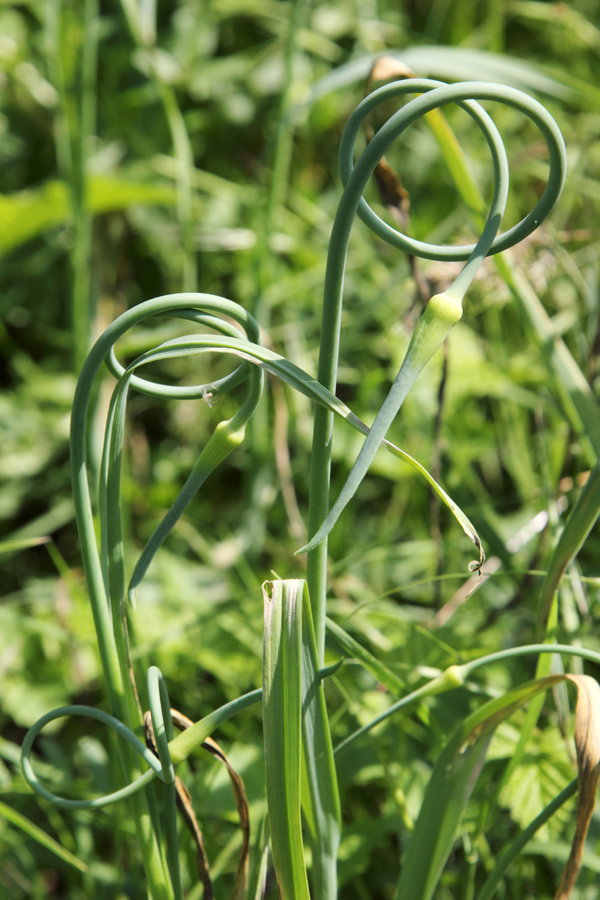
[282, 714]
[373, 665]
[581, 520]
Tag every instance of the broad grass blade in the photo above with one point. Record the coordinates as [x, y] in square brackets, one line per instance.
[282, 713]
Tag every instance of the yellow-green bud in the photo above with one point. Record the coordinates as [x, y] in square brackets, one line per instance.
[446, 307]
[450, 678]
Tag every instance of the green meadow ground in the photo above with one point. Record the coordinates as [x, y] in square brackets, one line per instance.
[101, 209]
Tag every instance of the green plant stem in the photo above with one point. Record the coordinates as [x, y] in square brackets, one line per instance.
[111, 637]
[355, 179]
[455, 676]
[509, 854]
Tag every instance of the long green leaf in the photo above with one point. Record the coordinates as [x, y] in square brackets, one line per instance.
[282, 713]
[321, 802]
[579, 524]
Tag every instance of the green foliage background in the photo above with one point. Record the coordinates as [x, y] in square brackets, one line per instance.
[93, 222]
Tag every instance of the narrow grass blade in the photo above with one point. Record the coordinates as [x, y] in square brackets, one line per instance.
[373, 665]
[13, 546]
[282, 712]
[510, 853]
[36, 833]
[579, 524]
[321, 802]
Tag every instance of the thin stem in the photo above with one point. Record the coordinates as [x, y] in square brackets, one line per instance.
[355, 179]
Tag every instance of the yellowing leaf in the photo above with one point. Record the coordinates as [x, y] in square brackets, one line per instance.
[587, 741]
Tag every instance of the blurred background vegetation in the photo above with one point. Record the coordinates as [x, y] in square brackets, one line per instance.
[144, 154]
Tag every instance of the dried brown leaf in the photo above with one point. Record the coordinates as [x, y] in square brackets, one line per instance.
[184, 803]
[211, 746]
[587, 742]
[386, 67]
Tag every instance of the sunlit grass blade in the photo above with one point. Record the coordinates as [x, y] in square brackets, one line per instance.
[321, 802]
[282, 713]
[13, 546]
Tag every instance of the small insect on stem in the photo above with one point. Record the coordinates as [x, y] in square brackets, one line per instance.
[211, 396]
